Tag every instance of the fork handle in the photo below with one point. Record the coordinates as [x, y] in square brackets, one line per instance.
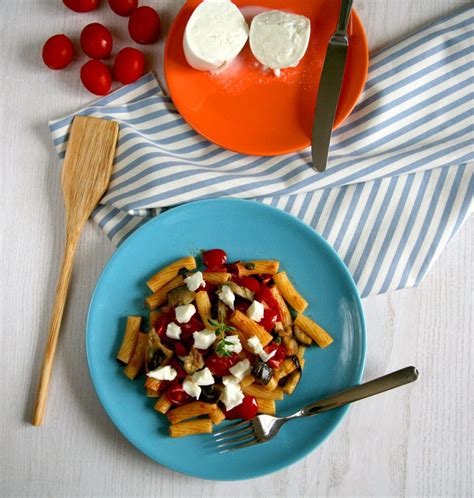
[380, 385]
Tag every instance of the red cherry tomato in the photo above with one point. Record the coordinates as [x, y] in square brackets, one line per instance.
[129, 65]
[264, 294]
[194, 325]
[58, 52]
[242, 306]
[214, 258]
[177, 395]
[210, 288]
[270, 317]
[249, 282]
[181, 373]
[277, 359]
[96, 41]
[96, 77]
[216, 269]
[81, 5]
[144, 25]
[220, 365]
[123, 7]
[180, 349]
[233, 268]
[246, 410]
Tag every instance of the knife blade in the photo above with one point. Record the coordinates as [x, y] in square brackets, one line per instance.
[330, 88]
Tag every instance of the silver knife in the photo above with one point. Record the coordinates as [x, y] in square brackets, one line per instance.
[330, 88]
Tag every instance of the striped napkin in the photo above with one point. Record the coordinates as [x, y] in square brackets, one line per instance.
[400, 179]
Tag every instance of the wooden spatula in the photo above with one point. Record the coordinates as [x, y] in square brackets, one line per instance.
[85, 177]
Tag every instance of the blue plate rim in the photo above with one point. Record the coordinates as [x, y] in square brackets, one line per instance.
[342, 411]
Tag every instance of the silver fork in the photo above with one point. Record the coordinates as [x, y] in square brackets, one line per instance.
[265, 427]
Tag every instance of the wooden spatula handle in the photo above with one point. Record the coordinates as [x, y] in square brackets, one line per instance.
[59, 303]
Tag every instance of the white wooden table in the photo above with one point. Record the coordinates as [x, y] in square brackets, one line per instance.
[415, 441]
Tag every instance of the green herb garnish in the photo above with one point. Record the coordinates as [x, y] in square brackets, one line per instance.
[277, 340]
[250, 266]
[221, 348]
[221, 327]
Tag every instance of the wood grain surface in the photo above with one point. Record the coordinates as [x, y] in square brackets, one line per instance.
[416, 441]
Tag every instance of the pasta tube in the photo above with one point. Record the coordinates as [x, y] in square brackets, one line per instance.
[163, 404]
[316, 332]
[160, 296]
[261, 392]
[202, 426]
[266, 406]
[216, 277]
[256, 267]
[247, 328]
[130, 337]
[138, 358]
[169, 272]
[217, 416]
[189, 411]
[282, 307]
[203, 305]
[291, 295]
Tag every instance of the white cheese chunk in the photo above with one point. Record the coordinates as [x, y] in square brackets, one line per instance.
[232, 396]
[191, 388]
[194, 281]
[279, 39]
[235, 346]
[203, 377]
[204, 339]
[163, 373]
[241, 369]
[214, 35]
[256, 347]
[227, 296]
[255, 311]
[185, 312]
[173, 331]
[230, 379]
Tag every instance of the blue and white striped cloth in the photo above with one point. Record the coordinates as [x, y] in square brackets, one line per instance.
[400, 178]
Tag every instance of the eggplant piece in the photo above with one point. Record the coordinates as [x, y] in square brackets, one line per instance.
[156, 360]
[221, 312]
[158, 353]
[290, 344]
[294, 358]
[210, 394]
[180, 296]
[242, 292]
[263, 372]
[193, 361]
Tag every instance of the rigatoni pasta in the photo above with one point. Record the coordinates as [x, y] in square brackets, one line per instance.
[222, 341]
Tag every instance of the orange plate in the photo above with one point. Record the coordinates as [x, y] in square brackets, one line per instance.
[249, 110]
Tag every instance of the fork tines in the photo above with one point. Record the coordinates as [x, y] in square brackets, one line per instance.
[235, 437]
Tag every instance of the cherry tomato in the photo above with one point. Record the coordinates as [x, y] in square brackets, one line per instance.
[210, 288]
[242, 306]
[277, 359]
[123, 7]
[58, 52]
[96, 77]
[246, 410]
[129, 65]
[264, 294]
[81, 5]
[220, 365]
[144, 25]
[181, 373]
[180, 349]
[249, 282]
[177, 395]
[194, 325]
[233, 268]
[96, 41]
[214, 258]
[270, 317]
[216, 269]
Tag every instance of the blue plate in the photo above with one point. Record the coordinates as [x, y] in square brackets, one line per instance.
[246, 230]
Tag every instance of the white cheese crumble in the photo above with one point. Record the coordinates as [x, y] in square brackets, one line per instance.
[214, 35]
[191, 388]
[241, 369]
[230, 379]
[227, 296]
[204, 339]
[232, 396]
[255, 311]
[235, 346]
[163, 373]
[173, 331]
[185, 312]
[256, 347]
[279, 39]
[203, 377]
[194, 281]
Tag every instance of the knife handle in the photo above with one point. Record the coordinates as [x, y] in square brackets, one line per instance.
[344, 15]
